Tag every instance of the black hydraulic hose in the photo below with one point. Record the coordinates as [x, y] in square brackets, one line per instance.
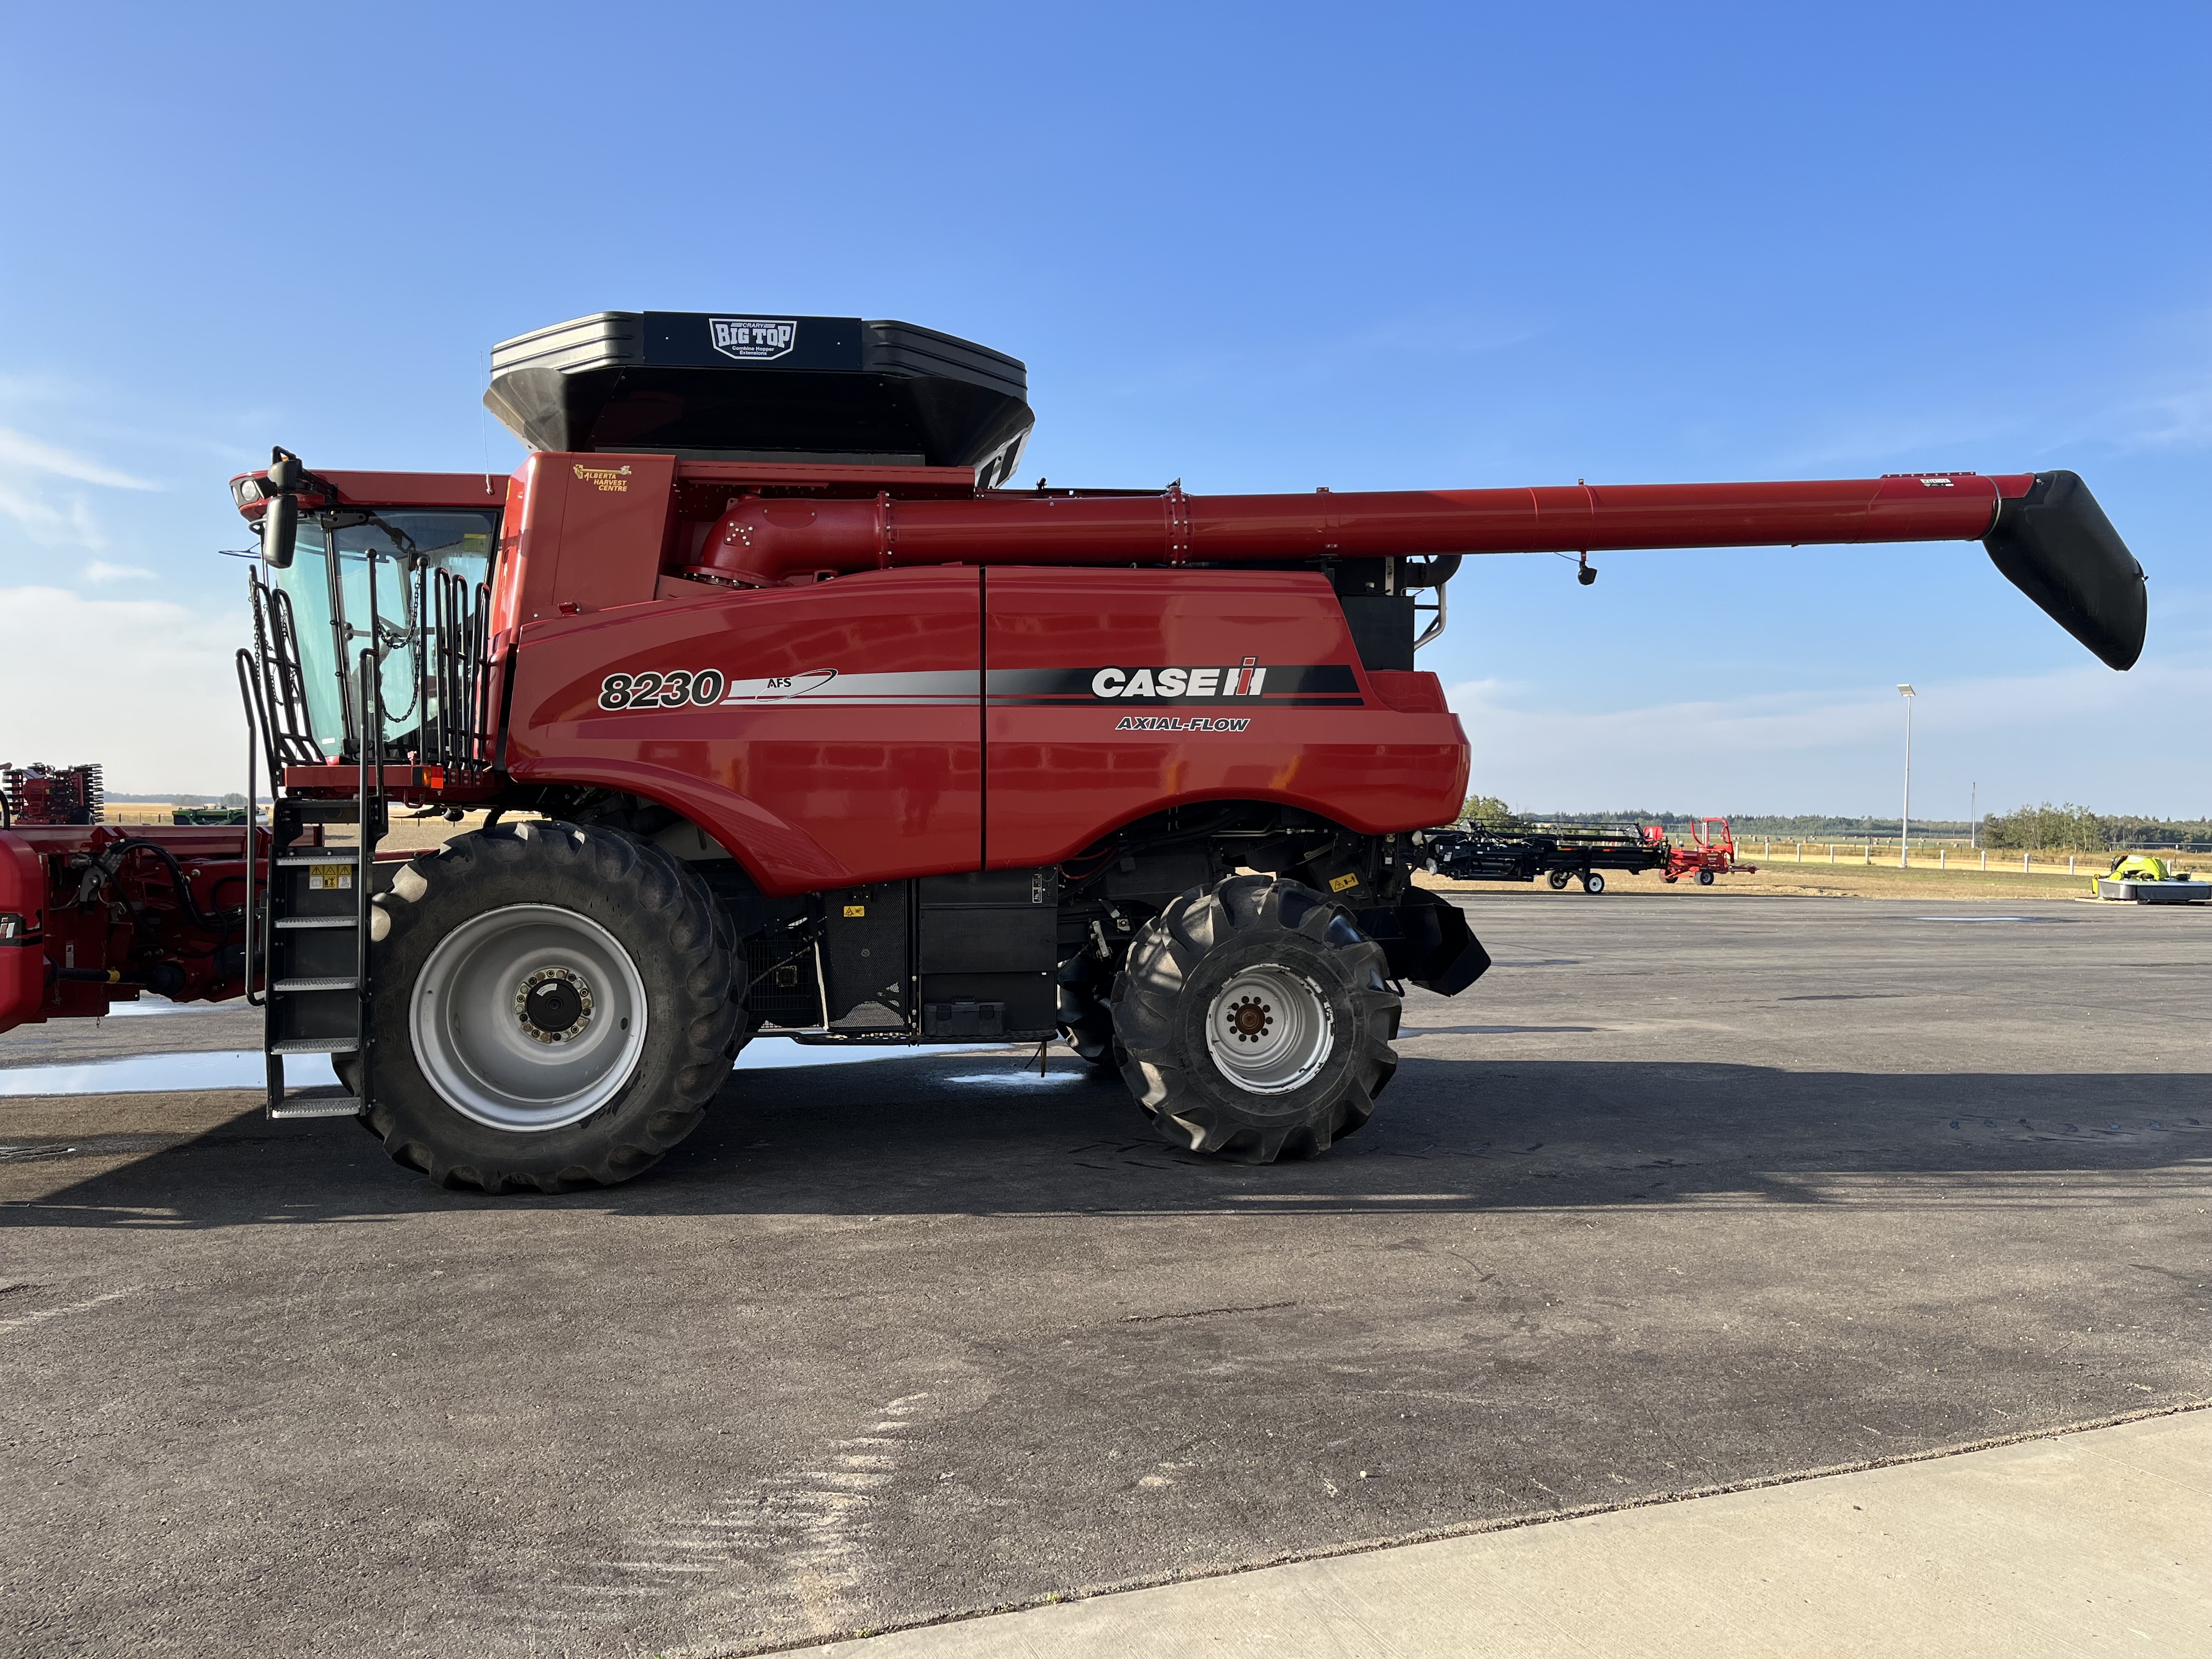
[223, 922]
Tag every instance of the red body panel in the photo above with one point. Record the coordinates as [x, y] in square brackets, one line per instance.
[813, 783]
[22, 931]
[422, 490]
[591, 532]
[847, 743]
[1066, 767]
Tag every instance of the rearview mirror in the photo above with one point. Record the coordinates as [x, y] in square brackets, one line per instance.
[280, 531]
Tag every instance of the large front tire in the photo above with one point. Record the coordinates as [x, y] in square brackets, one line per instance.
[1257, 1021]
[552, 1008]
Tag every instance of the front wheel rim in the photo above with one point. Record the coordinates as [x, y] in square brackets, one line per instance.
[1269, 1030]
[529, 1018]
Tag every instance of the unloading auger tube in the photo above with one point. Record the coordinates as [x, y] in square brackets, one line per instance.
[2044, 531]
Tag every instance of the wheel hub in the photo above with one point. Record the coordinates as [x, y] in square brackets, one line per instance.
[1269, 1030]
[554, 1005]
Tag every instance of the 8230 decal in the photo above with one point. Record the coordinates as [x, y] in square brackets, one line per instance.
[701, 688]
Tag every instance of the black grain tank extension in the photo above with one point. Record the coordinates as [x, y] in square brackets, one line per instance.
[742, 387]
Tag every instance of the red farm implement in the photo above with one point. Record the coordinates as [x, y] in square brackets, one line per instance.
[1709, 852]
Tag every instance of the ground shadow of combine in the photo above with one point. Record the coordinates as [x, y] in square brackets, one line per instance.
[988, 1134]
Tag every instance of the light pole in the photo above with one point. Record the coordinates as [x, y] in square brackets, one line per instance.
[1905, 822]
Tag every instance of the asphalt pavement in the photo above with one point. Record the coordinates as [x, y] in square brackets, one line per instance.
[1684, 1196]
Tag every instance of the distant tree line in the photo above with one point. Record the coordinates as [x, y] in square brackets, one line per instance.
[2065, 828]
[232, 799]
[2076, 828]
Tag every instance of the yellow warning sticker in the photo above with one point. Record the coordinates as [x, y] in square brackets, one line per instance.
[856, 909]
[330, 876]
[1343, 882]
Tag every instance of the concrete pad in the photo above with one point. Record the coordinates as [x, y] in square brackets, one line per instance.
[2094, 1542]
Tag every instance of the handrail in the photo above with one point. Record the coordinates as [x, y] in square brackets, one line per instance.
[248, 690]
[369, 787]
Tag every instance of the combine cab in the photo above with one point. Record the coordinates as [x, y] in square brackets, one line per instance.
[790, 718]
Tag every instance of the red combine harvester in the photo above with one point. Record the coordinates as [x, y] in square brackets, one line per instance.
[830, 734]
[1709, 852]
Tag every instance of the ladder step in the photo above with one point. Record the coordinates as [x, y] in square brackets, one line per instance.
[325, 855]
[317, 1103]
[345, 983]
[315, 921]
[315, 1046]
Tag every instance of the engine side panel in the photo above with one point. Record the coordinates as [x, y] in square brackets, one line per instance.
[1251, 688]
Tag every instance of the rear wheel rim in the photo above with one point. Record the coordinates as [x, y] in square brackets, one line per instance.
[528, 1019]
[1269, 1030]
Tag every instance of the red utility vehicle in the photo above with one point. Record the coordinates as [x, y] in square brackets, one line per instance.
[827, 733]
[1709, 852]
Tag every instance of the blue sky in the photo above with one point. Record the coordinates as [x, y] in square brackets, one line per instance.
[1251, 247]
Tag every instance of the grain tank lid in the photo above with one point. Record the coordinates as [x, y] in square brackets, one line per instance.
[716, 385]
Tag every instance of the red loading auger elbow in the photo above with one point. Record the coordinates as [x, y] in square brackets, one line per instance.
[762, 541]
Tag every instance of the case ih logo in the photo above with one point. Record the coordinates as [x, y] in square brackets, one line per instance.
[752, 339]
[1245, 680]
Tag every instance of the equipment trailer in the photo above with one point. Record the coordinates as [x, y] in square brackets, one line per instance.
[830, 734]
[1580, 852]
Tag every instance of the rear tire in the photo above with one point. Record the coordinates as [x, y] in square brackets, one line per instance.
[1705, 878]
[1257, 1021]
[1559, 880]
[477, 1084]
[1593, 882]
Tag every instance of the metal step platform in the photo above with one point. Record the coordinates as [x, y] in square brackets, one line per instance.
[313, 936]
